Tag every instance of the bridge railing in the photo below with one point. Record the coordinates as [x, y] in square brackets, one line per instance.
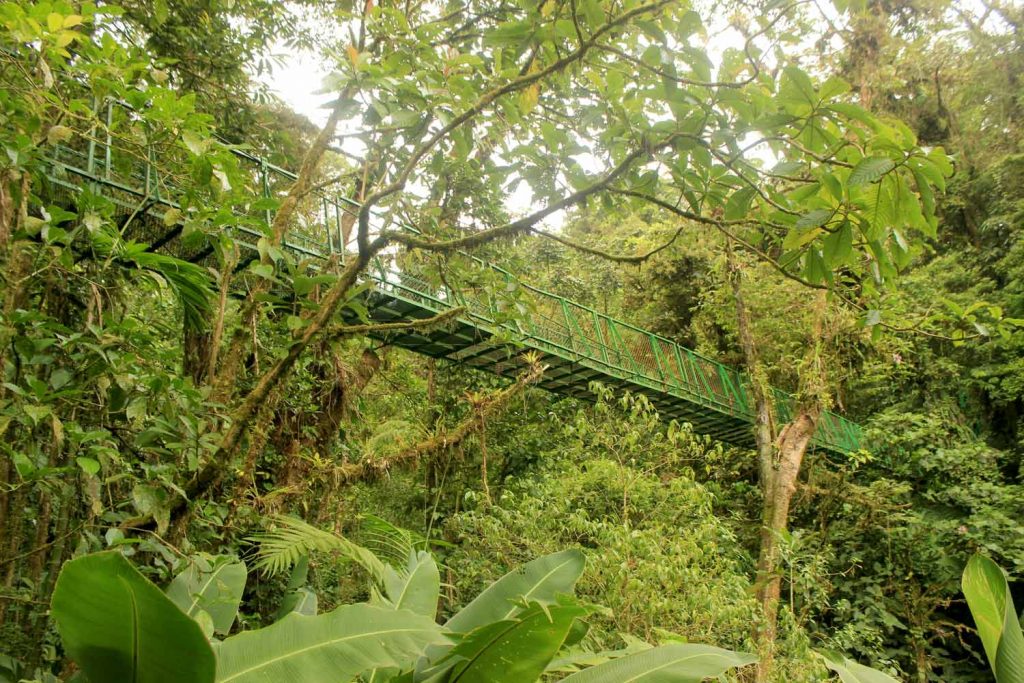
[580, 333]
[121, 156]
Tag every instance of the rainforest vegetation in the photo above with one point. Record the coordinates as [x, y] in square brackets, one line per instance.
[294, 396]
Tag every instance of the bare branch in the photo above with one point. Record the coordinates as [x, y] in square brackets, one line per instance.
[608, 256]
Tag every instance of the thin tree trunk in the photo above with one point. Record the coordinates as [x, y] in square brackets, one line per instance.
[217, 334]
[15, 259]
[195, 353]
[777, 497]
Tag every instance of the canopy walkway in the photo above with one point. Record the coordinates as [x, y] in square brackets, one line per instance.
[577, 343]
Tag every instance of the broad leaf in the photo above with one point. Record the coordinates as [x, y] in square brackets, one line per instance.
[739, 203]
[331, 647]
[869, 169]
[298, 598]
[988, 596]
[851, 672]
[540, 580]
[516, 650]
[118, 626]
[212, 586]
[304, 601]
[672, 663]
[417, 587]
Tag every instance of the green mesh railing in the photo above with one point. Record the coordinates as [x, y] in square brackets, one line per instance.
[115, 162]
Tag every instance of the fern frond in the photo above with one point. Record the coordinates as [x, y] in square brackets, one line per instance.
[391, 437]
[391, 543]
[290, 539]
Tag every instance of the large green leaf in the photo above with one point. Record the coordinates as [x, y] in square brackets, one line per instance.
[869, 169]
[540, 580]
[988, 596]
[118, 626]
[331, 647]
[672, 663]
[211, 585]
[298, 597]
[851, 672]
[514, 650]
[416, 587]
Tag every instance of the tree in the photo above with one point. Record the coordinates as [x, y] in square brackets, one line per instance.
[469, 103]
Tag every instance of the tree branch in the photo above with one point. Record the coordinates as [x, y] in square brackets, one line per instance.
[608, 256]
[372, 469]
[521, 225]
[346, 331]
[519, 83]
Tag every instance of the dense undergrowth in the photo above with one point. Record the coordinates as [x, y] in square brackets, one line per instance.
[181, 388]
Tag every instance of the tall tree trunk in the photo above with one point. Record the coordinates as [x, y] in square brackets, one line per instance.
[348, 385]
[777, 494]
[779, 461]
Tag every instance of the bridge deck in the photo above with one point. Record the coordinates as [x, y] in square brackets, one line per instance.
[578, 344]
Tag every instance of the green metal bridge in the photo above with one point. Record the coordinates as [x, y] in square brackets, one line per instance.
[578, 344]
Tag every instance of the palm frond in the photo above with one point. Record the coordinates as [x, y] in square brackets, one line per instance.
[189, 282]
[290, 539]
[391, 543]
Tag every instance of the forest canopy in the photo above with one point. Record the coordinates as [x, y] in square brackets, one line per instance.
[585, 340]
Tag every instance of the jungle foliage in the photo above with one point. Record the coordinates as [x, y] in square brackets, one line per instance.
[833, 203]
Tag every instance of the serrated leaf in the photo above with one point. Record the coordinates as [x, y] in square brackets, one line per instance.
[797, 86]
[833, 87]
[839, 245]
[739, 203]
[814, 219]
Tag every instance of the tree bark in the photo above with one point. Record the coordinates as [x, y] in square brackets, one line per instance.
[349, 384]
[196, 348]
[779, 461]
[777, 497]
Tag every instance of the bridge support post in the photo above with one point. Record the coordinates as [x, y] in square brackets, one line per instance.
[107, 154]
[658, 358]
